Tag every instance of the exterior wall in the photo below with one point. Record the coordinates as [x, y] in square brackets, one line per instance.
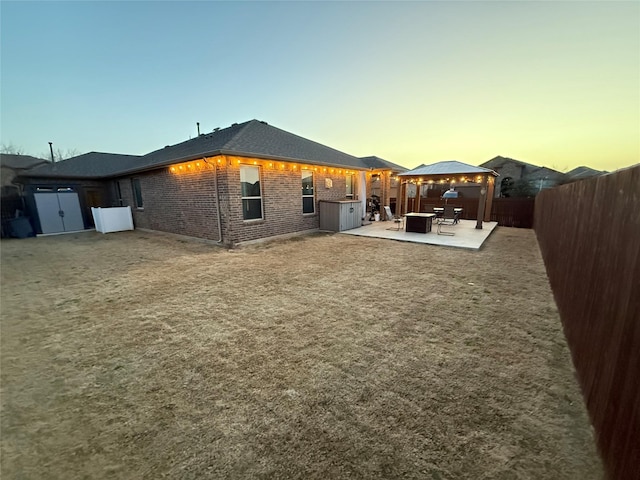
[538, 177]
[281, 190]
[184, 201]
[508, 169]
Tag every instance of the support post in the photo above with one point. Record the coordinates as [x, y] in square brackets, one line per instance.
[481, 202]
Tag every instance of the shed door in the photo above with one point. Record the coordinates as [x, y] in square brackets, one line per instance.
[72, 216]
[48, 212]
[59, 212]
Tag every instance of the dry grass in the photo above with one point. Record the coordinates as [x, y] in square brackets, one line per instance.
[134, 355]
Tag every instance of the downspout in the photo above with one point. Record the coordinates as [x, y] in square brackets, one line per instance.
[218, 216]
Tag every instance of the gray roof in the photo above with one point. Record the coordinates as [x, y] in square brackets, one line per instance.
[19, 162]
[253, 138]
[529, 169]
[584, 172]
[377, 162]
[499, 161]
[87, 165]
[451, 167]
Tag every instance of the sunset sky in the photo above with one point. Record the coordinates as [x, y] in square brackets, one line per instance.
[551, 83]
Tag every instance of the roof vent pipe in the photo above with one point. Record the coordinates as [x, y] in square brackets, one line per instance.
[51, 149]
[198, 124]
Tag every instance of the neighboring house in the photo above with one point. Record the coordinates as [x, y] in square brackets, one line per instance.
[12, 166]
[242, 183]
[579, 173]
[512, 171]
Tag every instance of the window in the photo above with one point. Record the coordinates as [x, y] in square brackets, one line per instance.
[137, 192]
[119, 193]
[251, 194]
[349, 186]
[308, 204]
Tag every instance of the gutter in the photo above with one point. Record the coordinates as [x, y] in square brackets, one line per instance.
[218, 214]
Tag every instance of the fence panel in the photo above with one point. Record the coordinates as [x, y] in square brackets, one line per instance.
[589, 237]
[513, 212]
[508, 212]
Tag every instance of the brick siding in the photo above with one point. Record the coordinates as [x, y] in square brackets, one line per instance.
[185, 203]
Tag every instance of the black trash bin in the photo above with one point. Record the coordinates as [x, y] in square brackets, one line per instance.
[20, 227]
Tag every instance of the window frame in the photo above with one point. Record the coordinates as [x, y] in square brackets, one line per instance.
[136, 189]
[313, 190]
[253, 197]
[352, 195]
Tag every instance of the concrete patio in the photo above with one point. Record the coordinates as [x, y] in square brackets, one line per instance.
[466, 235]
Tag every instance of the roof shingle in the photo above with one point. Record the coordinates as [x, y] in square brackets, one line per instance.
[253, 138]
[87, 165]
[451, 167]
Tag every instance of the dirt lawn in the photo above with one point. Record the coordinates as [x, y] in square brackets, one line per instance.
[136, 355]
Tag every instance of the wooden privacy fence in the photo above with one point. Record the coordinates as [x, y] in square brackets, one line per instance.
[513, 212]
[508, 212]
[589, 236]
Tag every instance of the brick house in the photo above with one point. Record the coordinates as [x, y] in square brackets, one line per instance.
[242, 183]
[512, 170]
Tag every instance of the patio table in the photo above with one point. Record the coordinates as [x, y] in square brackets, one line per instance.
[419, 222]
[440, 211]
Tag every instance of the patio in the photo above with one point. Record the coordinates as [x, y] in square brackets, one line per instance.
[466, 234]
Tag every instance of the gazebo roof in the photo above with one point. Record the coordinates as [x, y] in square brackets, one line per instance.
[451, 167]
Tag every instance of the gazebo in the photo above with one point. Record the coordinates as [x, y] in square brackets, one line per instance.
[445, 174]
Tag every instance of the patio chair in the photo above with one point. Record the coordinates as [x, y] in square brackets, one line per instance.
[397, 219]
[428, 208]
[448, 218]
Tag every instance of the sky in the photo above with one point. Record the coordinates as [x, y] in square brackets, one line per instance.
[551, 83]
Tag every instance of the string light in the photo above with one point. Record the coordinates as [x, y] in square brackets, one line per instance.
[206, 164]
